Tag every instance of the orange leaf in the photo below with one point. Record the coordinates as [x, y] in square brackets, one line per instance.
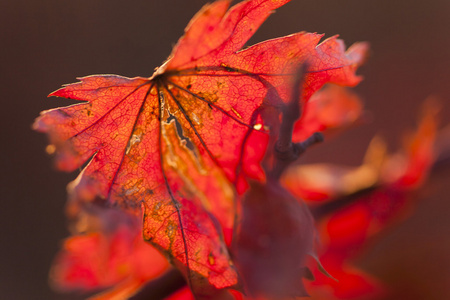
[178, 140]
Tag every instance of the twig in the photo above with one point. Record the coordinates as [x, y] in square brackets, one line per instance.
[333, 205]
[286, 152]
[441, 163]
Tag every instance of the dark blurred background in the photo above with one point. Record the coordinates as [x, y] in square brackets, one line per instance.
[47, 43]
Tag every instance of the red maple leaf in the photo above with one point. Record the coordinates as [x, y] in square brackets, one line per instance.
[175, 143]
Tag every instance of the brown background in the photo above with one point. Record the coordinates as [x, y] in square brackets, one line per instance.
[46, 43]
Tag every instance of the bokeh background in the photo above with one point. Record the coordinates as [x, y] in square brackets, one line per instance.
[46, 43]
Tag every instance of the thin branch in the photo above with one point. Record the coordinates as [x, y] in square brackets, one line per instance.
[441, 163]
[291, 114]
[285, 151]
[322, 210]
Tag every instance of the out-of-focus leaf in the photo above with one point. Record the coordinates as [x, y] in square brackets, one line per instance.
[275, 235]
[331, 107]
[346, 231]
[107, 255]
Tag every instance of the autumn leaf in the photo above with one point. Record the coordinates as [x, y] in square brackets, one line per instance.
[106, 250]
[332, 107]
[322, 181]
[384, 182]
[403, 170]
[174, 144]
[411, 166]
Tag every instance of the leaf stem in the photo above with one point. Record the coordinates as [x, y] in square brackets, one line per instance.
[285, 151]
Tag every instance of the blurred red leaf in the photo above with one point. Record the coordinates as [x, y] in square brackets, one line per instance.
[405, 169]
[348, 229]
[107, 255]
[175, 142]
[412, 165]
[331, 107]
[322, 182]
